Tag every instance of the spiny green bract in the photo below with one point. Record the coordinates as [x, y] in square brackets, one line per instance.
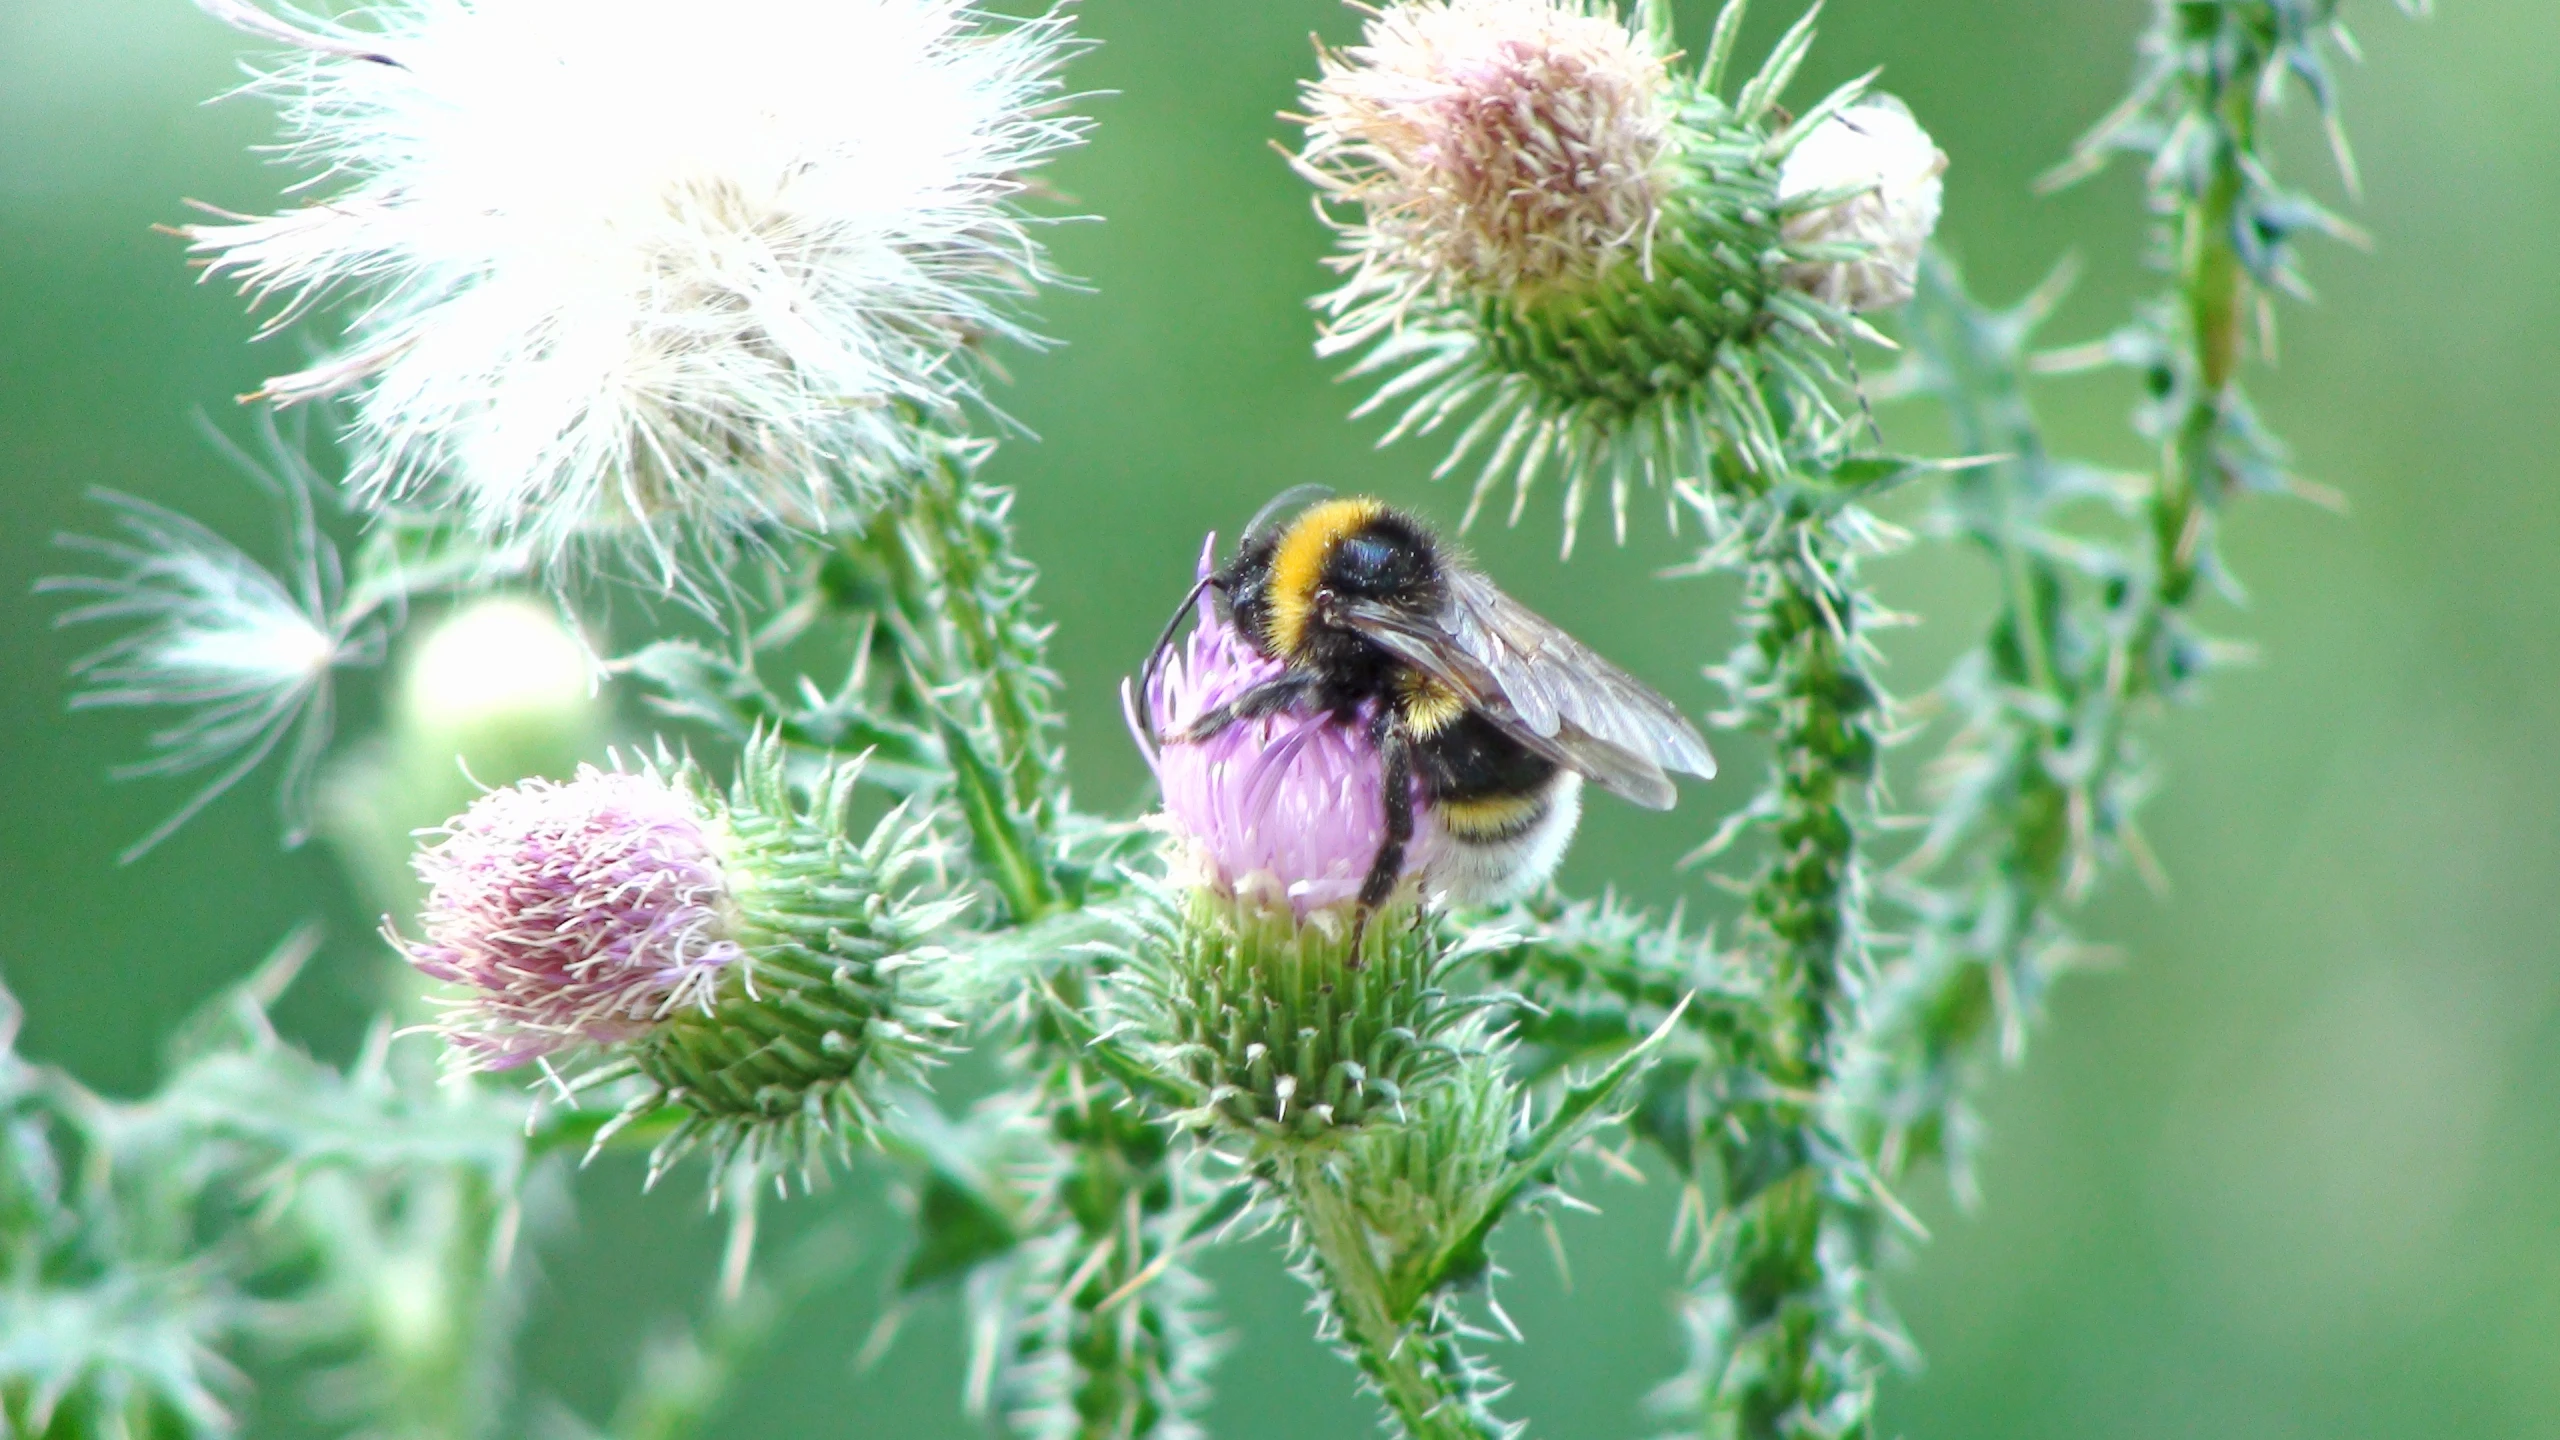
[1275, 1027]
[835, 995]
[1674, 350]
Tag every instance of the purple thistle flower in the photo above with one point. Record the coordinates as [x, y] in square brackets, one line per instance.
[1281, 808]
[578, 913]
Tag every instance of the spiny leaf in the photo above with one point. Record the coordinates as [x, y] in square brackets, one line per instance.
[1578, 1111]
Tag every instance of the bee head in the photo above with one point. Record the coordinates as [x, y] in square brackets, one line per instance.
[1286, 577]
[1238, 591]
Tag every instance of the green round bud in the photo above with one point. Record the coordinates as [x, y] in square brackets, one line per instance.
[833, 994]
[1293, 1029]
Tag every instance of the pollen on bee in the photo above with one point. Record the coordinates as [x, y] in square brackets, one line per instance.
[1427, 706]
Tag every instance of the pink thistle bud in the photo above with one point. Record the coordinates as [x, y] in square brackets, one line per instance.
[1289, 1020]
[762, 971]
[583, 913]
[1284, 808]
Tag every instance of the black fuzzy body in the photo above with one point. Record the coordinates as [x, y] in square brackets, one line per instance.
[1489, 795]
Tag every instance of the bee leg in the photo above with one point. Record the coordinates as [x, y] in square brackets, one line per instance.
[1396, 788]
[1268, 698]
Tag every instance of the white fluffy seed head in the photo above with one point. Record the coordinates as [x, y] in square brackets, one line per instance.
[650, 267]
[1496, 146]
[1877, 149]
[244, 655]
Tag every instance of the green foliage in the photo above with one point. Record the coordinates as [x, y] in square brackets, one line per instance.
[261, 1213]
[691, 684]
[1389, 1097]
[1391, 1228]
[781, 1071]
[2038, 786]
[2043, 776]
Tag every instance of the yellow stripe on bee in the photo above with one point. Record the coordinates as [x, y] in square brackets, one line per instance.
[1297, 567]
[1491, 817]
[1426, 706]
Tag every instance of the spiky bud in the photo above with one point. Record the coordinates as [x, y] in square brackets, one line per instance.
[1290, 1030]
[1288, 1012]
[750, 962]
[1575, 245]
[1498, 146]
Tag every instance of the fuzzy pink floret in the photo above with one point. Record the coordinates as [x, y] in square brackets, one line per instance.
[1285, 807]
[1495, 145]
[573, 914]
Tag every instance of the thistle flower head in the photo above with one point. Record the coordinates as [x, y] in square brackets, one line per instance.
[754, 965]
[1282, 1028]
[1285, 809]
[1879, 154]
[249, 654]
[576, 914]
[1571, 247]
[1496, 145]
[639, 269]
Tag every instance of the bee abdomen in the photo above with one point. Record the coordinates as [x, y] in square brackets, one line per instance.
[1491, 819]
[1493, 847]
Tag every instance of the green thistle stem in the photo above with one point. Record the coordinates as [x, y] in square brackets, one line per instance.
[1118, 1313]
[2213, 71]
[1787, 1344]
[960, 584]
[1407, 1350]
[942, 580]
[2058, 772]
[2213, 292]
[2051, 753]
[1113, 1352]
[1805, 899]
[982, 590]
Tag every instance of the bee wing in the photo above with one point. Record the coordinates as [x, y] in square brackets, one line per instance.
[1558, 684]
[1545, 689]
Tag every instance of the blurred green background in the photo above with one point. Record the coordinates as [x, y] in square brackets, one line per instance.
[2290, 1170]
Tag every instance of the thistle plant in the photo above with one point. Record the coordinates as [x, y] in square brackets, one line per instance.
[2042, 783]
[593, 283]
[1619, 288]
[758, 969]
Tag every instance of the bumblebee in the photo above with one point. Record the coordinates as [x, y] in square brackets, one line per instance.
[1483, 713]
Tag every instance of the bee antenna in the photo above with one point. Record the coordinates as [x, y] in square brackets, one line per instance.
[1155, 657]
[1287, 502]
